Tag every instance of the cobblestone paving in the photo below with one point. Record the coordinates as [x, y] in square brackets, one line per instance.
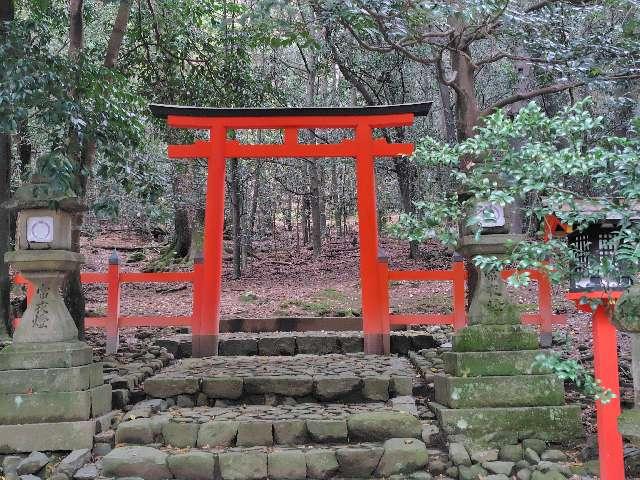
[358, 365]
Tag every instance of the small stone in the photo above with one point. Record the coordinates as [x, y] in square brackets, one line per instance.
[404, 404]
[247, 465]
[72, 462]
[438, 466]
[193, 465]
[459, 455]
[481, 456]
[430, 434]
[327, 431]
[101, 449]
[531, 456]
[511, 453]
[223, 387]
[499, 467]
[31, 464]
[376, 388]
[254, 434]
[381, 425]
[137, 432]
[358, 461]
[287, 465]
[401, 386]
[87, 472]
[497, 476]
[553, 456]
[419, 475]
[58, 476]
[534, 444]
[402, 455]
[180, 435]
[321, 464]
[145, 462]
[474, 472]
[452, 472]
[290, 432]
[28, 477]
[524, 474]
[10, 464]
[551, 475]
[217, 434]
[334, 387]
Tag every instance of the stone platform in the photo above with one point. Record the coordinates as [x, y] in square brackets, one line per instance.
[304, 343]
[333, 377]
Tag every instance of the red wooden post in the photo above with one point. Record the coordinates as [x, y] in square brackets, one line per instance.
[196, 315]
[372, 324]
[113, 303]
[383, 279]
[459, 292]
[545, 309]
[605, 362]
[213, 229]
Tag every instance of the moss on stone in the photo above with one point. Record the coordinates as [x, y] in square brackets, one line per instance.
[486, 338]
[475, 364]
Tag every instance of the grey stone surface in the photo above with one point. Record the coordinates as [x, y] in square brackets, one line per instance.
[68, 379]
[379, 426]
[535, 444]
[360, 461]
[474, 472]
[193, 465]
[223, 387]
[553, 456]
[402, 455]
[459, 455]
[246, 465]
[326, 431]
[47, 436]
[336, 386]
[238, 347]
[217, 434]
[401, 386]
[290, 432]
[70, 464]
[531, 456]
[376, 388]
[32, 463]
[277, 345]
[292, 386]
[144, 462]
[499, 467]
[180, 435]
[137, 431]
[317, 344]
[251, 434]
[86, 472]
[321, 463]
[170, 385]
[287, 465]
[10, 464]
[511, 453]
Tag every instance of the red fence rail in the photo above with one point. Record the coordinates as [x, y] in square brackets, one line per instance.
[113, 278]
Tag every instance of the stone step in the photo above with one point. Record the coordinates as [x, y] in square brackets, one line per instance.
[308, 378]
[503, 391]
[303, 343]
[487, 338]
[507, 425]
[260, 425]
[477, 364]
[365, 460]
[67, 379]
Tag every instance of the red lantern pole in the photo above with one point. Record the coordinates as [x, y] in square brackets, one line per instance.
[605, 363]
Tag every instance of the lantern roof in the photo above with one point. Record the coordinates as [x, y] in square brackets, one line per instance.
[38, 193]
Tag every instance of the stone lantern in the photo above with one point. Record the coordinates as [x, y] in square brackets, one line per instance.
[51, 392]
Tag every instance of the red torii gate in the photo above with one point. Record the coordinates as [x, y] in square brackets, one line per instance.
[364, 148]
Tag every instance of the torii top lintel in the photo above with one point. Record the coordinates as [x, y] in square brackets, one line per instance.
[218, 120]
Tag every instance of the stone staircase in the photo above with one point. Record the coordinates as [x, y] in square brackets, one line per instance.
[277, 417]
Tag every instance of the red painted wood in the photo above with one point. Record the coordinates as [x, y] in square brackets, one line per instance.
[351, 121]
[156, 277]
[94, 277]
[372, 317]
[113, 308]
[196, 308]
[96, 322]
[605, 363]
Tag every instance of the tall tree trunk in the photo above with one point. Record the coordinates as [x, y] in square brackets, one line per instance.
[7, 13]
[448, 120]
[251, 228]
[236, 215]
[316, 214]
[407, 174]
[24, 150]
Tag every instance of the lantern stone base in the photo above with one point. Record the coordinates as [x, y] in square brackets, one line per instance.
[629, 425]
[50, 396]
[493, 392]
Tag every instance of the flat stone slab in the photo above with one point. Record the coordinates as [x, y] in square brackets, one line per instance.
[477, 364]
[327, 377]
[294, 343]
[489, 338]
[507, 425]
[258, 425]
[40, 407]
[67, 379]
[503, 391]
[26, 356]
[47, 436]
